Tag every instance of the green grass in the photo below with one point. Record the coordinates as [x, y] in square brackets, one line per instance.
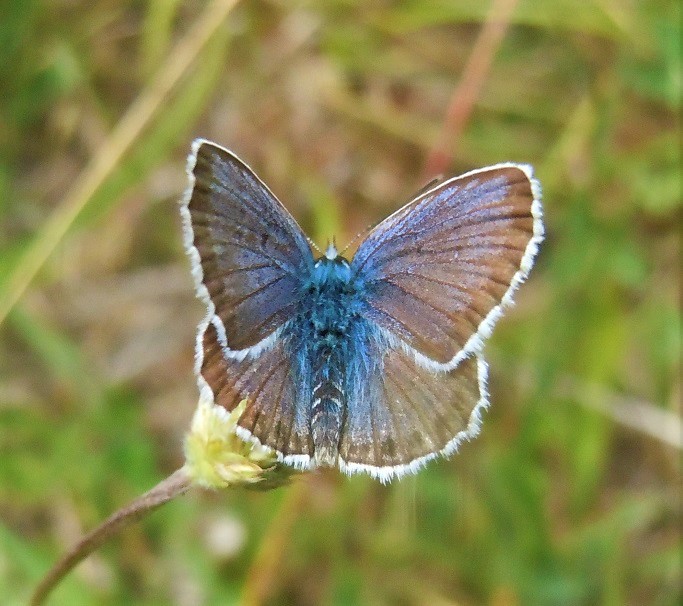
[337, 105]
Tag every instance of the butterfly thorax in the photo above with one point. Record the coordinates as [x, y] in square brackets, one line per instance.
[329, 312]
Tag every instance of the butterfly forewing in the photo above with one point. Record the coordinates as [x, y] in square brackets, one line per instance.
[251, 252]
[437, 271]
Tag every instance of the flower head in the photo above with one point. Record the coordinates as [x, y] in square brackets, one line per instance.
[217, 458]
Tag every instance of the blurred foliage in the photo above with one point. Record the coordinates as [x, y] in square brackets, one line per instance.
[336, 104]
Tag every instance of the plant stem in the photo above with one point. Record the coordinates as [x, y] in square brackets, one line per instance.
[174, 485]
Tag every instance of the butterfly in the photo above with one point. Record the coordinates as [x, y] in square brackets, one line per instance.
[371, 364]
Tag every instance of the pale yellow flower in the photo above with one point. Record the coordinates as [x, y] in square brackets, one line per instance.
[217, 458]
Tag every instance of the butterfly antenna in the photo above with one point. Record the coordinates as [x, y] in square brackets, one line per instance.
[425, 188]
[314, 245]
[355, 238]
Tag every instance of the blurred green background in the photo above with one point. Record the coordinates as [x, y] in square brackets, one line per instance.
[571, 495]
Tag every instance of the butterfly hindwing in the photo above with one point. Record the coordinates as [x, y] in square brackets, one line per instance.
[400, 414]
[249, 256]
[437, 271]
[268, 383]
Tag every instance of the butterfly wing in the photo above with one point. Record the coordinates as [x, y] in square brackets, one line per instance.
[248, 254]
[272, 387]
[400, 415]
[437, 273]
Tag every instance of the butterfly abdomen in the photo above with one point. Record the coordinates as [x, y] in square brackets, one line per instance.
[327, 409]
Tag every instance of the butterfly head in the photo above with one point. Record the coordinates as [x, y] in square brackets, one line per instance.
[331, 251]
[332, 267]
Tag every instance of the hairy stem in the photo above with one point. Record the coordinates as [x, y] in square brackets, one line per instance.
[174, 485]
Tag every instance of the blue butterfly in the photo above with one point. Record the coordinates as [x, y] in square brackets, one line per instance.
[371, 364]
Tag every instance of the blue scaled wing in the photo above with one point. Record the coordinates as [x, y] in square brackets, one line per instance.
[272, 390]
[400, 414]
[438, 272]
[248, 254]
